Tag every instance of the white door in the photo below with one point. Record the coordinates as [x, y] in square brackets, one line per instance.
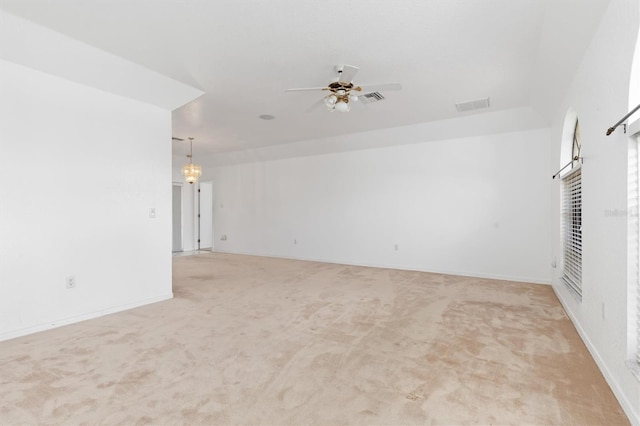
[177, 217]
[205, 215]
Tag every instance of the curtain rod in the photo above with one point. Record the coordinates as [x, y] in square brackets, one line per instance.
[613, 128]
[566, 165]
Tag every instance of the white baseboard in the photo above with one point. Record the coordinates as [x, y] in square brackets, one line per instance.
[12, 334]
[530, 280]
[627, 407]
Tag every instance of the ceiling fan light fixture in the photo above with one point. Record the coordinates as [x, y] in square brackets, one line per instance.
[342, 106]
[342, 91]
[191, 172]
[331, 100]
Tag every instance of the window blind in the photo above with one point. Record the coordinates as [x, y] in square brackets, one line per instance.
[572, 230]
[633, 241]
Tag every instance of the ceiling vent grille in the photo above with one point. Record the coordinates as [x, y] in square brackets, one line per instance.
[472, 105]
[368, 98]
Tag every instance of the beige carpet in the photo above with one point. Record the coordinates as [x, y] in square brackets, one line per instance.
[250, 340]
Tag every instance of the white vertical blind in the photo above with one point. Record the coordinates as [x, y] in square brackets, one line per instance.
[572, 230]
[633, 231]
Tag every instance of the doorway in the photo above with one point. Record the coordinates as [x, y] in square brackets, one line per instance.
[176, 227]
[205, 216]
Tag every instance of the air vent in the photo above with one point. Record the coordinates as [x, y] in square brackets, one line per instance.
[368, 98]
[472, 105]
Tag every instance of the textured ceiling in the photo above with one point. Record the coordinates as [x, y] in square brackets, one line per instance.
[244, 53]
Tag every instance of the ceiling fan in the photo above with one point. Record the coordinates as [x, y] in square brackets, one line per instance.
[343, 90]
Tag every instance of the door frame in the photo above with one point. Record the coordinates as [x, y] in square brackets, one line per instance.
[199, 216]
[181, 186]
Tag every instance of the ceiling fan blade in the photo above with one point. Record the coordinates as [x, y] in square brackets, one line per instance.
[347, 74]
[387, 86]
[306, 89]
[314, 106]
[359, 103]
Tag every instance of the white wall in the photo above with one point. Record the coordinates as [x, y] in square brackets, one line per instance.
[472, 206]
[599, 94]
[79, 170]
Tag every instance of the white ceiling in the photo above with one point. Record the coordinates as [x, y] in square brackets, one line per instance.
[244, 53]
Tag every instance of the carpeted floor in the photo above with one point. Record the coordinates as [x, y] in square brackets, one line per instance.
[251, 340]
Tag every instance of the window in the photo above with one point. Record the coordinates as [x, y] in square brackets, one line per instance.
[633, 222]
[572, 219]
[575, 146]
[633, 248]
[572, 230]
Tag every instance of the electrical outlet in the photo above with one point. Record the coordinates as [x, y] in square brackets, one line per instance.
[224, 237]
[71, 282]
[152, 213]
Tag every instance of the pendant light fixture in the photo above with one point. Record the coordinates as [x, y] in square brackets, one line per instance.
[191, 171]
